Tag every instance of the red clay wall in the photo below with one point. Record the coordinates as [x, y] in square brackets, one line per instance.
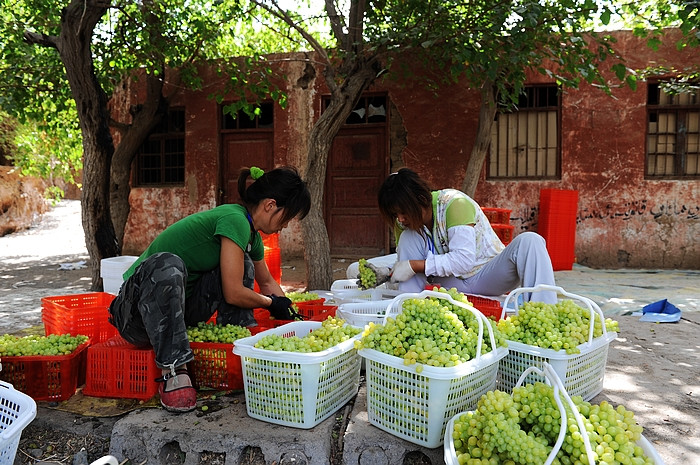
[623, 220]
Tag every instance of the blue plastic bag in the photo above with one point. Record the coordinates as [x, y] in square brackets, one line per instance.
[661, 312]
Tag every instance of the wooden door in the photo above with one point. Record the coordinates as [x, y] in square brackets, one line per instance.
[244, 149]
[356, 168]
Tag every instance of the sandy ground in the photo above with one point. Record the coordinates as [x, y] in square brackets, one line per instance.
[653, 369]
[33, 261]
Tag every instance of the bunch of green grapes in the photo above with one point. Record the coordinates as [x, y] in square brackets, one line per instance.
[332, 332]
[429, 331]
[523, 427]
[368, 278]
[560, 326]
[54, 344]
[225, 334]
[301, 296]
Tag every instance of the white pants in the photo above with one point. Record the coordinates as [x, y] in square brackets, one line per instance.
[525, 262]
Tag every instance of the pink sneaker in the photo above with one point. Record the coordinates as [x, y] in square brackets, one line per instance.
[175, 396]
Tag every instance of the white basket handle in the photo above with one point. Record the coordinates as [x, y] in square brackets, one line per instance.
[396, 306]
[593, 308]
[106, 460]
[553, 380]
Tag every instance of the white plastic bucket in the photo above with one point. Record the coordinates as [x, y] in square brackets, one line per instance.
[111, 271]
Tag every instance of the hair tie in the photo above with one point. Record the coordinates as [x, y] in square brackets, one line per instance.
[256, 172]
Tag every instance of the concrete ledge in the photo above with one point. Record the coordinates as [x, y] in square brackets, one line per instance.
[154, 436]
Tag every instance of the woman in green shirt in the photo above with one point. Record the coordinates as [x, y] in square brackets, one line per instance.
[204, 263]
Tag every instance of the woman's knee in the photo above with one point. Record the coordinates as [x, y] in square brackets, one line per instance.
[529, 238]
[163, 267]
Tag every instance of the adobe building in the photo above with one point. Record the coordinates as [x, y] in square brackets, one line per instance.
[633, 159]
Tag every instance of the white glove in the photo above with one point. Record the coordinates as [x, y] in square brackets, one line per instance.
[402, 272]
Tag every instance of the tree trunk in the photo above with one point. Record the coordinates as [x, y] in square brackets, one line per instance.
[145, 118]
[78, 21]
[319, 273]
[483, 139]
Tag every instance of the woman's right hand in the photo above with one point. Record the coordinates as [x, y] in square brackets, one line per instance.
[402, 272]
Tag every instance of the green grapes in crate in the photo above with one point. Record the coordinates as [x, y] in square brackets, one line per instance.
[332, 332]
[226, 334]
[429, 331]
[523, 427]
[563, 325]
[301, 296]
[53, 344]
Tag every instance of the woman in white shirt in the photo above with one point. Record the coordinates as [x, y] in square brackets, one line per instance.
[444, 238]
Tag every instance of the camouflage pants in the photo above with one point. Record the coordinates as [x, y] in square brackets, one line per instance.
[153, 310]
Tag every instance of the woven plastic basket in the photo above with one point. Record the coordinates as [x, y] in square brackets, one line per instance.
[362, 313]
[297, 389]
[17, 410]
[347, 290]
[417, 406]
[582, 373]
[549, 375]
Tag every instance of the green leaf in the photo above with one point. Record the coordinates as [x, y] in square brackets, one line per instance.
[620, 70]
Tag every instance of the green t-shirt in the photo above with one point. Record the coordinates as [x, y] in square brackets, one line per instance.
[195, 239]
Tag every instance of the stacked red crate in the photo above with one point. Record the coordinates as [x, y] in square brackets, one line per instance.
[500, 222]
[557, 224]
[79, 314]
[115, 368]
[273, 257]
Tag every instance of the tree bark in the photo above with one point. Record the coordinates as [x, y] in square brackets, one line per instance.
[319, 273]
[483, 139]
[78, 21]
[144, 120]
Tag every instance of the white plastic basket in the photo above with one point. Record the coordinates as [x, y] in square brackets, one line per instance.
[347, 290]
[17, 410]
[417, 406]
[293, 388]
[550, 377]
[582, 374]
[362, 313]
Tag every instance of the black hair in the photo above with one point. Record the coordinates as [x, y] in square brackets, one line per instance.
[282, 184]
[404, 192]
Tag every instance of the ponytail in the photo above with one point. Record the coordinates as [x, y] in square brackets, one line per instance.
[283, 184]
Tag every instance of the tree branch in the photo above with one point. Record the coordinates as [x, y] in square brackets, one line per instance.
[41, 39]
[336, 21]
[280, 13]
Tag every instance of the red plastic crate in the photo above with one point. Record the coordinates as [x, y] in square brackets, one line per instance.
[497, 215]
[216, 366]
[52, 378]
[557, 225]
[312, 310]
[116, 368]
[504, 232]
[79, 314]
[491, 308]
[273, 259]
[270, 240]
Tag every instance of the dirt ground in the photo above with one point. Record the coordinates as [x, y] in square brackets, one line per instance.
[47, 258]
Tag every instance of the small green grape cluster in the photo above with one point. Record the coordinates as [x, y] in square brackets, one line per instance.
[53, 344]
[332, 332]
[523, 427]
[429, 331]
[368, 278]
[226, 334]
[560, 326]
[295, 296]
